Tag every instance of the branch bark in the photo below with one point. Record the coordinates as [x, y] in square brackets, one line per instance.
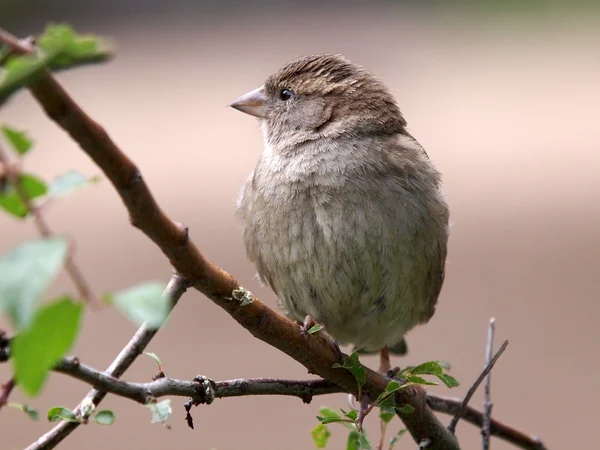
[219, 286]
[223, 289]
[303, 389]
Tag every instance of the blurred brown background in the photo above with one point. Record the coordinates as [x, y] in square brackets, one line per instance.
[505, 101]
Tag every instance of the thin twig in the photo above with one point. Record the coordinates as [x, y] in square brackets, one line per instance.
[487, 402]
[452, 406]
[5, 391]
[472, 389]
[13, 176]
[175, 289]
[219, 286]
[161, 387]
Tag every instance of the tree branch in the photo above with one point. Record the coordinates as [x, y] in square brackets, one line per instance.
[174, 290]
[452, 406]
[206, 390]
[219, 286]
[201, 391]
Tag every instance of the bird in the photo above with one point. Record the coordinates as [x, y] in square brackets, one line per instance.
[344, 215]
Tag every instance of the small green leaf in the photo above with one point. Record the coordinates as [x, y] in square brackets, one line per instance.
[386, 414]
[352, 364]
[60, 413]
[315, 328]
[32, 413]
[59, 48]
[363, 441]
[104, 417]
[143, 303]
[419, 380]
[154, 357]
[435, 368]
[351, 414]
[406, 409]
[391, 388]
[37, 348]
[69, 182]
[353, 441]
[19, 141]
[428, 368]
[449, 380]
[11, 201]
[326, 420]
[161, 411]
[397, 438]
[328, 412]
[320, 435]
[25, 273]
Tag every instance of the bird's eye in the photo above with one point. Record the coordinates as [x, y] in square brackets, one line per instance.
[286, 94]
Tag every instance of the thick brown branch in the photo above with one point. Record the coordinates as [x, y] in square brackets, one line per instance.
[172, 238]
[175, 289]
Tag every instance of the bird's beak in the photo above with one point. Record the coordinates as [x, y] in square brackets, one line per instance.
[253, 103]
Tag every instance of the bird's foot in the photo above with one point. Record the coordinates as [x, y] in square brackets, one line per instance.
[309, 323]
[384, 360]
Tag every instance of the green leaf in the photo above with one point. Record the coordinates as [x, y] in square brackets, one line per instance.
[320, 435]
[326, 420]
[328, 412]
[104, 417]
[351, 414]
[363, 441]
[386, 414]
[69, 182]
[60, 413]
[57, 49]
[449, 380]
[11, 200]
[71, 48]
[315, 328]
[32, 413]
[406, 409]
[391, 388]
[419, 380]
[428, 368]
[161, 411]
[353, 441]
[36, 349]
[434, 368]
[397, 438]
[26, 271]
[143, 303]
[154, 357]
[18, 140]
[352, 364]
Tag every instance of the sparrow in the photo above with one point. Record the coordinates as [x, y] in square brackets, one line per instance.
[343, 216]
